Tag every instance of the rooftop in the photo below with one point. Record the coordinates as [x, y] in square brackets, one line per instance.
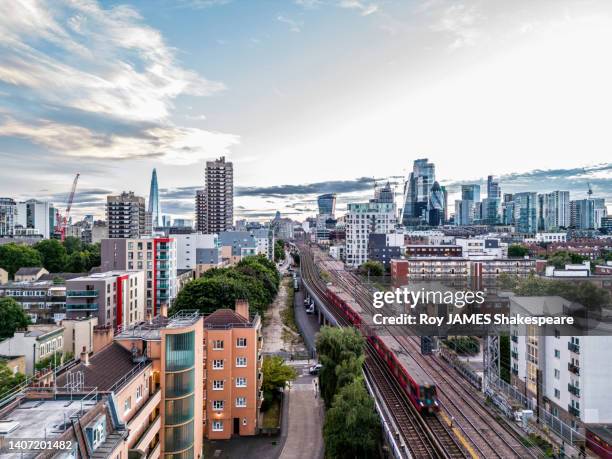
[101, 275]
[151, 330]
[106, 368]
[28, 271]
[225, 318]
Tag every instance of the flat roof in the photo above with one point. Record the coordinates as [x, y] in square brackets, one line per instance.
[151, 330]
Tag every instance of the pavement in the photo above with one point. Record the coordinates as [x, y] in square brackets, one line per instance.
[307, 323]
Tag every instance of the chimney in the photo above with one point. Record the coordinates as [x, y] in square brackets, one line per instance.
[242, 308]
[85, 356]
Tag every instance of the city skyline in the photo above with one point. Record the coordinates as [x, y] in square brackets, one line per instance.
[162, 84]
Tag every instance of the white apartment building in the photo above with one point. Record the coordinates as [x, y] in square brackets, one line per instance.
[551, 237]
[36, 215]
[482, 247]
[573, 371]
[363, 219]
[187, 246]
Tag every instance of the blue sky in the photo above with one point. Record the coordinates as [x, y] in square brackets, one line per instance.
[307, 93]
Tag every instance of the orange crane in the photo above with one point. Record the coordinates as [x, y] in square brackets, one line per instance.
[62, 222]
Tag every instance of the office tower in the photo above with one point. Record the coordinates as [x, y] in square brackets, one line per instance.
[445, 196]
[417, 189]
[362, 219]
[155, 256]
[600, 211]
[493, 189]
[491, 206]
[582, 214]
[384, 194]
[219, 196]
[8, 209]
[327, 204]
[125, 214]
[467, 210]
[35, 215]
[526, 212]
[470, 193]
[435, 212]
[154, 205]
[554, 210]
[200, 211]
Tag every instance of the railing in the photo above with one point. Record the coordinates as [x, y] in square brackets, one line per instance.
[514, 355]
[573, 368]
[82, 293]
[575, 348]
[573, 410]
[573, 389]
[125, 378]
[514, 338]
[81, 306]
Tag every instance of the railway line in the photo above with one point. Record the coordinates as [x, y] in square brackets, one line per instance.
[458, 401]
[422, 439]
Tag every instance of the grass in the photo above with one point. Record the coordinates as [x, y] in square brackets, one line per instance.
[271, 416]
[536, 440]
[287, 314]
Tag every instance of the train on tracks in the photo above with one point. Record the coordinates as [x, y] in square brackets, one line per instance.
[419, 387]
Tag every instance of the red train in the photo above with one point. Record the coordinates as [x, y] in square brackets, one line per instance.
[419, 387]
[599, 440]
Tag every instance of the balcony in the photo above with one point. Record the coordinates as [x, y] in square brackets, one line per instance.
[163, 266]
[573, 368]
[81, 306]
[573, 390]
[515, 371]
[514, 355]
[514, 338]
[82, 293]
[573, 411]
[575, 348]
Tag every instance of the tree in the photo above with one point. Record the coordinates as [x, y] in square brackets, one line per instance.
[8, 380]
[12, 317]
[352, 427]
[78, 262]
[276, 374]
[341, 354]
[517, 250]
[73, 244]
[372, 268]
[279, 250]
[562, 257]
[13, 257]
[53, 254]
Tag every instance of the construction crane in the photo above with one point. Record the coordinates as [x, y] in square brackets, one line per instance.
[62, 222]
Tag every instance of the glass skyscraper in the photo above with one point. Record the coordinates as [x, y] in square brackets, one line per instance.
[417, 190]
[154, 206]
[327, 204]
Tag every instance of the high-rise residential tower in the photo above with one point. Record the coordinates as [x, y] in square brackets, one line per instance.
[125, 215]
[417, 190]
[36, 215]
[219, 196]
[154, 205]
[526, 212]
[200, 211]
[8, 209]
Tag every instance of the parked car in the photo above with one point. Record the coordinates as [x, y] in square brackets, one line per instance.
[315, 369]
[310, 310]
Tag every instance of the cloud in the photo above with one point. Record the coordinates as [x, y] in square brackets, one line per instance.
[462, 22]
[366, 8]
[334, 186]
[294, 26]
[105, 63]
[308, 4]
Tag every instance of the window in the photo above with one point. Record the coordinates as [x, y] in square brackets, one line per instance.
[217, 364]
[218, 345]
[218, 405]
[557, 393]
[218, 384]
[241, 402]
[557, 374]
[241, 382]
[138, 393]
[217, 426]
[241, 361]
[127, 405]
[557, 354]
[241, 342]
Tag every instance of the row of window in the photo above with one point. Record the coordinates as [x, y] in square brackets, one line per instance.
[219, 384]
[217, 425]
[218, 364]
[218, 344]
[218, 405]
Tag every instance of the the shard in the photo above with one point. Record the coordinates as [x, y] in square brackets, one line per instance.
[154, 207]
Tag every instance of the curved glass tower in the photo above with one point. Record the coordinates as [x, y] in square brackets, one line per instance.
[154, 207]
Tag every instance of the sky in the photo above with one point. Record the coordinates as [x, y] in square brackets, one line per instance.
[303, 96]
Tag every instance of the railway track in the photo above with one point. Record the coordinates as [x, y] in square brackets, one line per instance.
[423, 439]
[462, 405]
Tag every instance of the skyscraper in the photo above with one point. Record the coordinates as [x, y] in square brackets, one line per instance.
[35, 215]
[490, 208]
[327, 204]
[435, 212]
[417, 189]
[154, 206]
[554, 210]
[467, 209]
[200, 211]
[384, 194]
[8, 209]
[219, 196]
[526, 212]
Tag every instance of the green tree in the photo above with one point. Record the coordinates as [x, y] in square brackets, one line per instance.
[12, 317]
[53, 255]
[562, 257]
[78, 262]
[73, 244]
[13, 257]
[279, 250]
[372, 268]
[352, 427]
[517, 250]
[8, 380]
[341, 352]
[276, 374]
